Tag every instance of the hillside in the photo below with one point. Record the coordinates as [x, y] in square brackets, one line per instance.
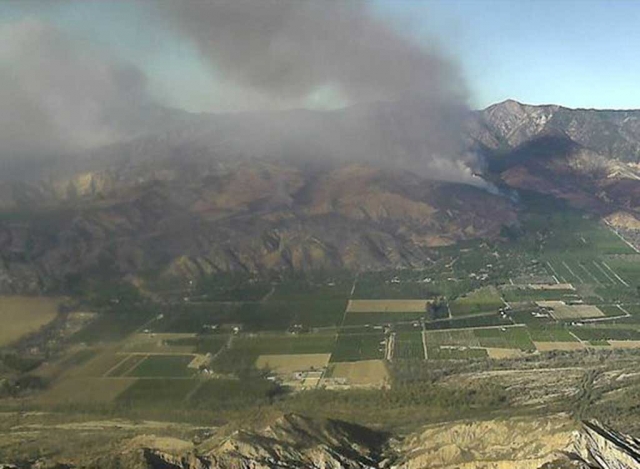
[218, 193]
[294, 441]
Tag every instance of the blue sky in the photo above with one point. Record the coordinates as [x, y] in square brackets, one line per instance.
[574, 53]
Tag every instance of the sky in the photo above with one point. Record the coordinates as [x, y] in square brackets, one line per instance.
[574, 53]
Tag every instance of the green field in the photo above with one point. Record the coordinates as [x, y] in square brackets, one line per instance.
[285, 344]
[126, 366]
[471, 322]
[524, 316]
[408, 345]
[113, 327]
[605, 333]
[353, 347]
[514, 294]
[163, 366]
[512, 337]
[440, 353]
[611, 310]
[482, 300]
[463, 338]
[551, 334]
[314, 286]
[389, 285]
[196, 317]
[157, 392]
[281, 315]
[230, 394]
[361, 319]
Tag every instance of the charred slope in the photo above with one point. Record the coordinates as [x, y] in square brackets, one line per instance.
[253, 216]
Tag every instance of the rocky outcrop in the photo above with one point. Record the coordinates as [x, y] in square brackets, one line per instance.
[292, 441]
[602, 447]
[509, 124]
[296, 442]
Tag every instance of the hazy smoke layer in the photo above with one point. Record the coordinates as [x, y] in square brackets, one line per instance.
[58, 95]
[287, 50]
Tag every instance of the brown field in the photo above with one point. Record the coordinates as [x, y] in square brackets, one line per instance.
[22, 315]
[156, 343]
[624, 343]
[85, 390]
[563, 311]
[198, 361]
[372, 373]
[387, 306]
[98, 366]
[285, 364]
[550, 286]
[501, 353]
[548, 346]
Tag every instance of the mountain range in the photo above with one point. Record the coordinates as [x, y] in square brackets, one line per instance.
[196, 194]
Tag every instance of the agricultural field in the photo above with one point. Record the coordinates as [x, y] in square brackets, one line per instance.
[157, 392]
[456, 353]
[74, 391]
[526, 294]
[482, 300]
[408, 345]
[551, 333]
[335, 286]
[163, 366]
[604, 334]
[225, 394]
[274, 315]
[393, 285]
[387, 306]
[559, 346]
[359, 346]
[458, 338]
[22, 315]
[563, 312]
[561, 284]
[512, 337]
[287, 364]
[114, 327]
[126, 366]
[367, 373]
[272, 344]
[470, 322]
[362, 319]
[160, 343]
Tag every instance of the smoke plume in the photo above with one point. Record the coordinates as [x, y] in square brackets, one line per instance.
[59, 95]
[290, 50]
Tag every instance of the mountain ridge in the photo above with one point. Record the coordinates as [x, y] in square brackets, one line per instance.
[217, 195]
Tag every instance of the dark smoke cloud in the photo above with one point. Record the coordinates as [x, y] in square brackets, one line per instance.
[59, 95]
[288, 49]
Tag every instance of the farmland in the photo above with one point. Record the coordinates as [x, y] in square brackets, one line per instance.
[358, 346]
[22, 315]
[565, 288]
[387, 306]
[284, 364]
[485, 299]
